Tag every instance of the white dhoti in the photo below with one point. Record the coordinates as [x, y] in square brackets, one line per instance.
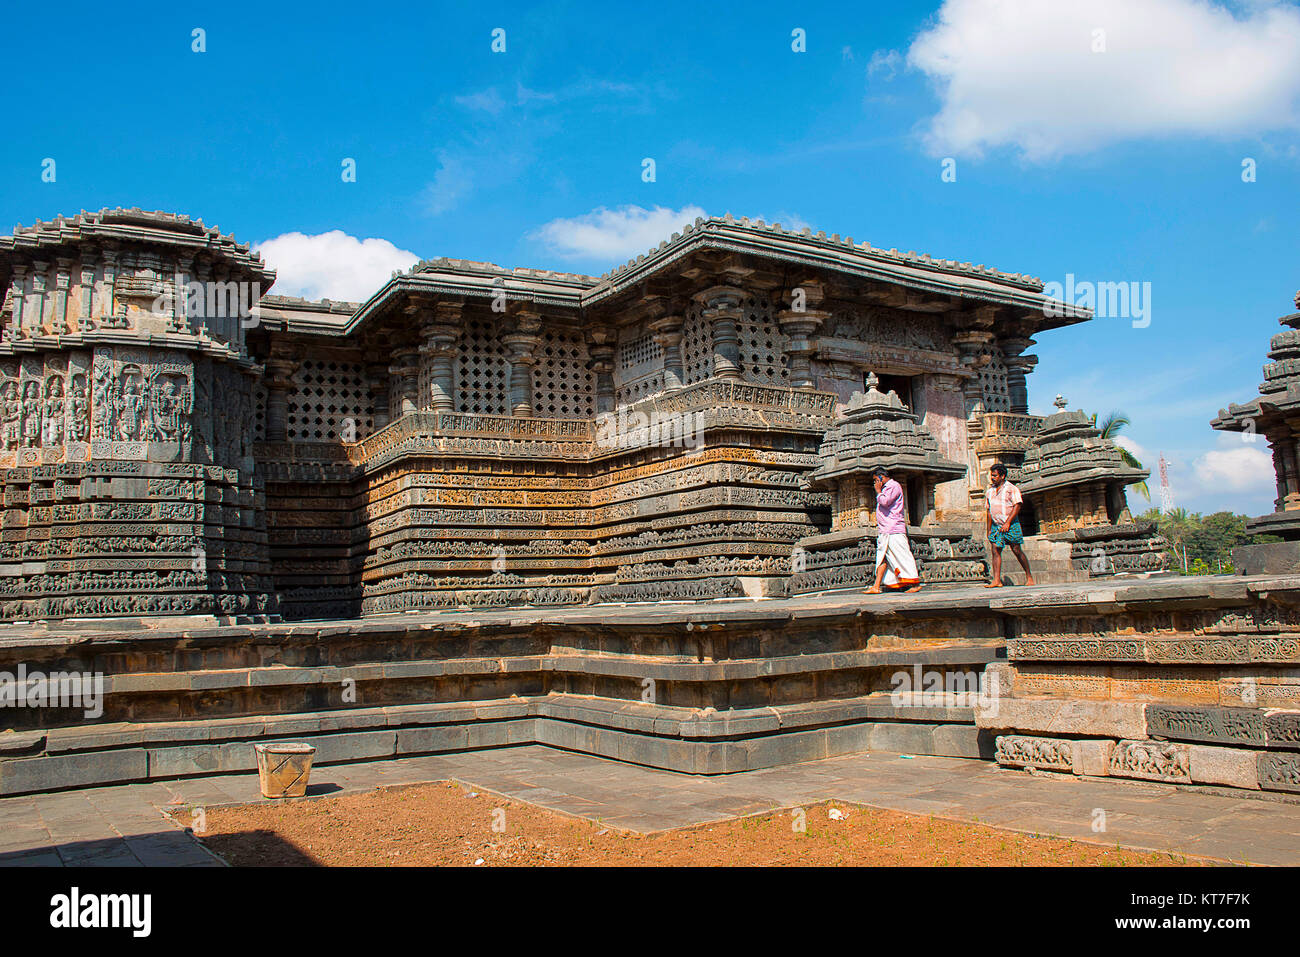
[900, 566]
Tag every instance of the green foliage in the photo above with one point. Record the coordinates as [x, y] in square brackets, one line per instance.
[1112, 426]
[1200, 544]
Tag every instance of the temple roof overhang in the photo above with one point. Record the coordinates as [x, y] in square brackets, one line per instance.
[110, 228]
[932, 284]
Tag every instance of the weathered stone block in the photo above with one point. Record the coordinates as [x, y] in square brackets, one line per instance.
[353, 746]
[960, 741]
[1233, 767]
[1117, 719]
[1282, 729]
[1195, 723]
[1276, 558]
[1151, 761]
[1279, 772]
[432, 740]
[1022, 751]
[1092, 757]
[25, 775]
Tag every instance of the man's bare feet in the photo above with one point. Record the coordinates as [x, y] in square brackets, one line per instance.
[1030, 580]
[915, 587]
[873, 590]
[993, 585]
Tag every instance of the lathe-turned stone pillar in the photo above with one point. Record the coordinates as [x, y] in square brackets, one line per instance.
[969, 343]
[62, 283]
[601, 349]
[522, 343]
[406, 371]
[667, 332]
[441, 330]
[37, 308]
[278, 382]
[18, 298]
[109, 310]
[87, 290]
[801, 322]
[723, 311]
[1018, 366]
[377, 380]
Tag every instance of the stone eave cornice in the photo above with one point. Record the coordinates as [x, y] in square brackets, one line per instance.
[120, 226]
[1260, 411]
[901, 463]
[307, 317]
[519, 286]
[920, 272]
[1044, 481]
[467, 280]
[103, 337]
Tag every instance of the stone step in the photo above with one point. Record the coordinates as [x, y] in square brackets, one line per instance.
[679, 739]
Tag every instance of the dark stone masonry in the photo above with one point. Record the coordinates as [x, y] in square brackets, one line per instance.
[627, 515]
[696, 424]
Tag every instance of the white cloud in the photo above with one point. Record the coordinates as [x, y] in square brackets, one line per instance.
[613, 234]
[452, 181]
[886, 62]
[1138, 451]
[488, 100]
[332, 265]
[1024, 73]
[1247, 468]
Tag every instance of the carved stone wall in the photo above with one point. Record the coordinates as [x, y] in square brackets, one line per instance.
[1190, 683]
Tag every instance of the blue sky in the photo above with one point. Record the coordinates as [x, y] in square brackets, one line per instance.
[1116, 164]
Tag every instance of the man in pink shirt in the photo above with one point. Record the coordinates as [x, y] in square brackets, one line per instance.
[895, 566]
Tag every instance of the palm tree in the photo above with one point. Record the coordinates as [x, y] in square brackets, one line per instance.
[1175, 525]
[1112, 426]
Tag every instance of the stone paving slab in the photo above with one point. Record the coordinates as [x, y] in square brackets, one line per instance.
[125, 824]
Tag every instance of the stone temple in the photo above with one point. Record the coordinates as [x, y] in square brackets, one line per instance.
[627, 515]
[697, 424]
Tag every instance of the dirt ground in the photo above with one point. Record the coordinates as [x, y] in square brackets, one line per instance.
[447, 824]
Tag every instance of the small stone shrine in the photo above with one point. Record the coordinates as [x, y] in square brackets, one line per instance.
[1275, 415]
[1073, 482]
[876, 431]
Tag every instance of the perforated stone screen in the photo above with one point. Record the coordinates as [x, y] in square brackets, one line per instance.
[563, 386]
[697, 347]
[326, 394]
[993, 381]
[482, 372]
[259, 412]
[762, 345]
[638, 370]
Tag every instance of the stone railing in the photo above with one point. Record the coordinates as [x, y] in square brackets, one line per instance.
[714, 403]
[464, 433]
[300, 452]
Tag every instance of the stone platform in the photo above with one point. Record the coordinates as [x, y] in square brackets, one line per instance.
[707, 688]
[1155, 683]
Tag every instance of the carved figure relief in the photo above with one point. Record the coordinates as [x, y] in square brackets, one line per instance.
[31, 412]
[53, 412]
[79, 410]
[131, 405]
[11, 413]
[105, 402]
[171, 402]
